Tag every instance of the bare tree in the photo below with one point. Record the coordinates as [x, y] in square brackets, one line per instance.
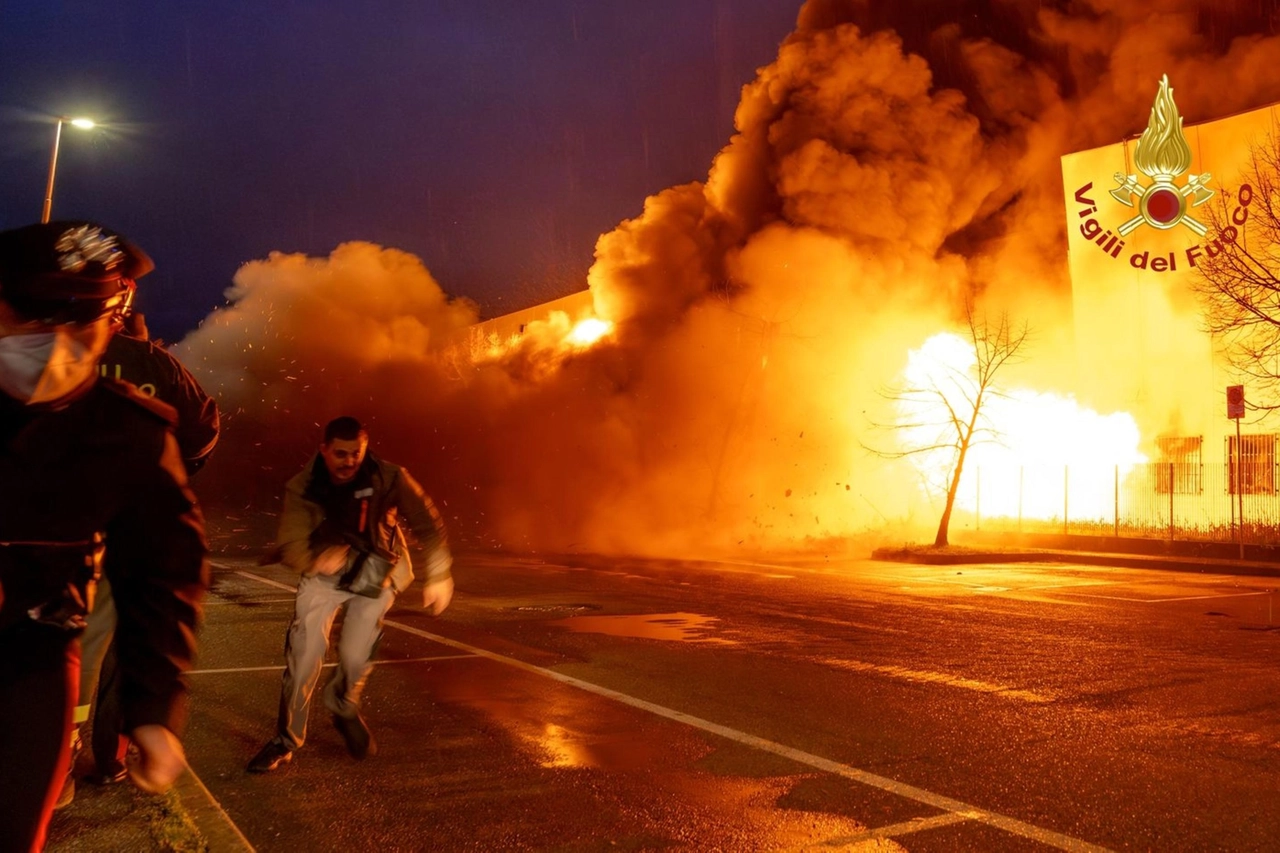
[1238, 278]
[951, 405]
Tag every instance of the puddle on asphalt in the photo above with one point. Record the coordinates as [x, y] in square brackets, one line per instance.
[680, 627]
[556, 608]
[555, 728]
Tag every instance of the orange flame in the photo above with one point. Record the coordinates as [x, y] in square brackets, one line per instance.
[1033, 440]
[586, 332]
[552, 338]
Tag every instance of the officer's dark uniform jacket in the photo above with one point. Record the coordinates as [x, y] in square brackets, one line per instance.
[103, 467]
[158, 374]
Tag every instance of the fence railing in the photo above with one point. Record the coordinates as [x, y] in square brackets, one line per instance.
[1152, 500]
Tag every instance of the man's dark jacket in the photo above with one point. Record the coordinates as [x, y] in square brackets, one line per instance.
[397, 505]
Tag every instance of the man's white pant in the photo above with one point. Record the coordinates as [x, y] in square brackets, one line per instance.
[307, 642]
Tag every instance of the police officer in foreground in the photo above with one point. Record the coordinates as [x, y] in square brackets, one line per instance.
[133, 357]
[84, 462]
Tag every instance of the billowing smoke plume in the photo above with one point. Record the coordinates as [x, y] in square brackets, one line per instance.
[885, 169]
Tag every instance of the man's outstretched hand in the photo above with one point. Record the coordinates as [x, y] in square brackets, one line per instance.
[331, 560]
[436, 595]
[160, 760]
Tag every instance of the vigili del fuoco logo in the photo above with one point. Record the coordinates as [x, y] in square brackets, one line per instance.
[1165, 201]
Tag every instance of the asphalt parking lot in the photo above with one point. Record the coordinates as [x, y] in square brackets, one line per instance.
[598, 704]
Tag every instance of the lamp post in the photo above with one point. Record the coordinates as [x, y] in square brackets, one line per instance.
[83, 124]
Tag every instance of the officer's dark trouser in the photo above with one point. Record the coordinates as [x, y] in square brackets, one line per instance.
[39, 674]
[109, 745]
[100, 684]
[97, 636]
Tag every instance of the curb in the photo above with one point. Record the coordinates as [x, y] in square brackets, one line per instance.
[219, 831]
[1086, 558]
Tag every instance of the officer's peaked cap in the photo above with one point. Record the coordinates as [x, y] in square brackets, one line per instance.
[68, 260]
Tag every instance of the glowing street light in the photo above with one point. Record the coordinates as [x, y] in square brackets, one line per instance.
[83, 124]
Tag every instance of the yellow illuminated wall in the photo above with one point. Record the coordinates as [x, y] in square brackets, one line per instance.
[1139, 337]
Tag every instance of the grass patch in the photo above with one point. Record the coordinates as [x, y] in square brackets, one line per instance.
[170, 825]
[120, 817]
[944, 550]
[948, 554]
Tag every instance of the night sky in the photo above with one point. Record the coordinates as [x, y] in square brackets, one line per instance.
[494, 139]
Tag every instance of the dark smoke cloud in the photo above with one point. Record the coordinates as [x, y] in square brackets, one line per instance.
[893, 160]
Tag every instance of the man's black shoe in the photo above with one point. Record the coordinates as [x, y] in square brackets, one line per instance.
[360, 742]
[67, 794]
[116, 772]
[270, 757]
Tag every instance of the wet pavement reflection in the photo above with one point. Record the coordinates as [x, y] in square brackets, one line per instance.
[679, 627]
[646, 783]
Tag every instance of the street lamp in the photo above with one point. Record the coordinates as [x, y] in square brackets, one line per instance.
[83, 124]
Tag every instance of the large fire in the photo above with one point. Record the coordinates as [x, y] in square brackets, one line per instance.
[586, 332]
[555, 336]
[872, 179]
[1036, 454]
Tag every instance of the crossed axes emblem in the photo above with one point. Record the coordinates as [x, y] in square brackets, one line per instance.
[1196, 188]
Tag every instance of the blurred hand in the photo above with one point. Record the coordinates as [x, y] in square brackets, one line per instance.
[331, 560]
[436, 595]
[160, 761]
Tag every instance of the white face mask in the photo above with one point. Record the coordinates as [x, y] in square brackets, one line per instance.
[43, 367]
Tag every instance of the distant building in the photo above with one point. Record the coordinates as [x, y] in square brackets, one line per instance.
[500, 330]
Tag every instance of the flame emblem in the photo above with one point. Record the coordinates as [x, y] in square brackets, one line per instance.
[1163, 155]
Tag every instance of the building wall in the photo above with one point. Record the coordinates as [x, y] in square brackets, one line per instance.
[575, 305]
[1138, 328]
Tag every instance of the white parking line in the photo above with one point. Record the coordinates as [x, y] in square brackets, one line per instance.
[214, 603]
[924, 676]
[1165, 600]
[280, 668]
[267, 581]
[917, 824]
[1068, 585]
[963, 810]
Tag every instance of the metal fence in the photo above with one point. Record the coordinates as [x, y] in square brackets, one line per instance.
[1196, 502]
